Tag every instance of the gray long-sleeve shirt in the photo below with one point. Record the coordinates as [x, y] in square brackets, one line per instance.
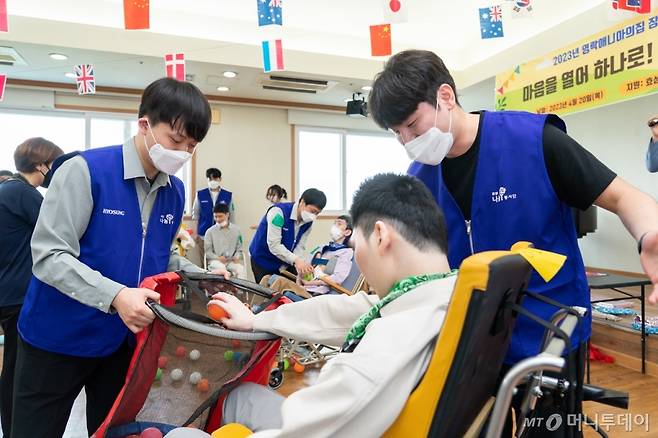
[274, 236]
[64, 218]
[652, 156]
[225, 242]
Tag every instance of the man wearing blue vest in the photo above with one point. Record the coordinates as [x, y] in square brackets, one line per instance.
[207, 198]
[280, 239]
[107, 222]
[502, 177]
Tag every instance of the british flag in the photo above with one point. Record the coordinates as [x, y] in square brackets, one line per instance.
[84, 77]
[496, 13]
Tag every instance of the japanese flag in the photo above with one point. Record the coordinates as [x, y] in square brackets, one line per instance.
[395, 11]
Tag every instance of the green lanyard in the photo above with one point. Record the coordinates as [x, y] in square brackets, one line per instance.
[400, 288]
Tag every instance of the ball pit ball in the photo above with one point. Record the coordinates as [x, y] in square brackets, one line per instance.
[286, 364]
[162, 362]
[176, 374]
[158, 374]
[235, 343]
[216, 312]
[203, 385]
[298, 367]
[151, 432]
[228, 355]
[195, 355]
[237, 356]
[180, 351]
[195, 378]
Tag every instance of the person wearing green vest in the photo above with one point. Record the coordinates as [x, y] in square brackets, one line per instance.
[400, 242]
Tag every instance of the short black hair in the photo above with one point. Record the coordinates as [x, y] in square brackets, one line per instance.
[277, 190]
[221, 208]
[409, 78]
[350, 226]
[314, 197]
[406, 204]
[213, 172]
[180, 104]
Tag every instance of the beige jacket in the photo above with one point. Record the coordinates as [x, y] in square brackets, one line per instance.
[359, 394]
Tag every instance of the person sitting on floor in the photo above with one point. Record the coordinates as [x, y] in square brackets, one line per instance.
[333, 263]
[400, 246]
[223, 244]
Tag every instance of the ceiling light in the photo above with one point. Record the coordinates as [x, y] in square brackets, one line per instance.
[366, 88]
[70, 75]
[58, 56]
[230, 74]
[222, 88]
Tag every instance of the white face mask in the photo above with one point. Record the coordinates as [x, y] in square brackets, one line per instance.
[165, 160]
[433, 146]
[336, 232]
[214, 185]
[308, 217]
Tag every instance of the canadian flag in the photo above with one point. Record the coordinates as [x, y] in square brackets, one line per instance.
[175, 66]
[395, 11]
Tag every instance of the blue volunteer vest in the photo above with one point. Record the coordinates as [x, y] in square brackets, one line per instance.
[513, 200]
[112, 245]
[206, 207]
[258, 248]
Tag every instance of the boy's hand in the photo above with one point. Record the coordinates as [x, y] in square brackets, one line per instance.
[130, 304]
[239, 316]
[221, 271]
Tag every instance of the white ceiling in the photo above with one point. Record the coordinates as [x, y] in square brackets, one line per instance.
[324, 40]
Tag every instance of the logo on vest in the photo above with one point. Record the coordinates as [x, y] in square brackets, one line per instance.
[501, 195]
[114, 212]
[167, 219]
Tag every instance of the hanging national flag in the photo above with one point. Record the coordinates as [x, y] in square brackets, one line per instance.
[175, 66]
[84, 77]
[3, 16]
[270, 12]
[136, 14]
[3, 82]
[272, 56]
[491, 22]
[639, 6]
[521, 9]
[380, 40]
[395, 11]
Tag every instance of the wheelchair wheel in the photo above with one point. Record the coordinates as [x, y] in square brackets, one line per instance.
[276, 378]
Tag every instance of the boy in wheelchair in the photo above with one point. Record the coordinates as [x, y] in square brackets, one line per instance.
[223, 244]
[388, 338]
[332, 262]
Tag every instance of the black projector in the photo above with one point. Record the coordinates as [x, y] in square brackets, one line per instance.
[357, 107]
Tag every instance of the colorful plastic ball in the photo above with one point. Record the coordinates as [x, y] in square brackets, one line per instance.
[298, 367]
[176, 374]
[286, 364]
[228, 355]
[203, 385]
[158, 374]
[195, 377]
[151, 432]
[195, 354]
[235, 343]
[180, 351]
[237, 356]
[162, 362]
[216, 312]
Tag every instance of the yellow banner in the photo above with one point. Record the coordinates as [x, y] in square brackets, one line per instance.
[611, 66]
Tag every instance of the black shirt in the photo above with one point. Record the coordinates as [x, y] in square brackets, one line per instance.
[577, 176]
[19, 209]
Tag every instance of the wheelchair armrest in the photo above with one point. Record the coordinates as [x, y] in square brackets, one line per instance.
[610, 397]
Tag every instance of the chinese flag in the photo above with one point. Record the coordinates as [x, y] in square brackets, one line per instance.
[3, 16]
[136, 14]
[380, 40]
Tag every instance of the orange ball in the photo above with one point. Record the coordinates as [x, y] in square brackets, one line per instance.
[298, 367]
[216, 312]
[180, 351]
[235, 343]
[203, 385]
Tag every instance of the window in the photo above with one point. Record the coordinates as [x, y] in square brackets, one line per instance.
[73, 131]
[337, 161]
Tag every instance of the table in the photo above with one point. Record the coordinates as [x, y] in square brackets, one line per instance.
[614, 282]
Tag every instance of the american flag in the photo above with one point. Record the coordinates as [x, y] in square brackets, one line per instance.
[175, 66]
[84, 77]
